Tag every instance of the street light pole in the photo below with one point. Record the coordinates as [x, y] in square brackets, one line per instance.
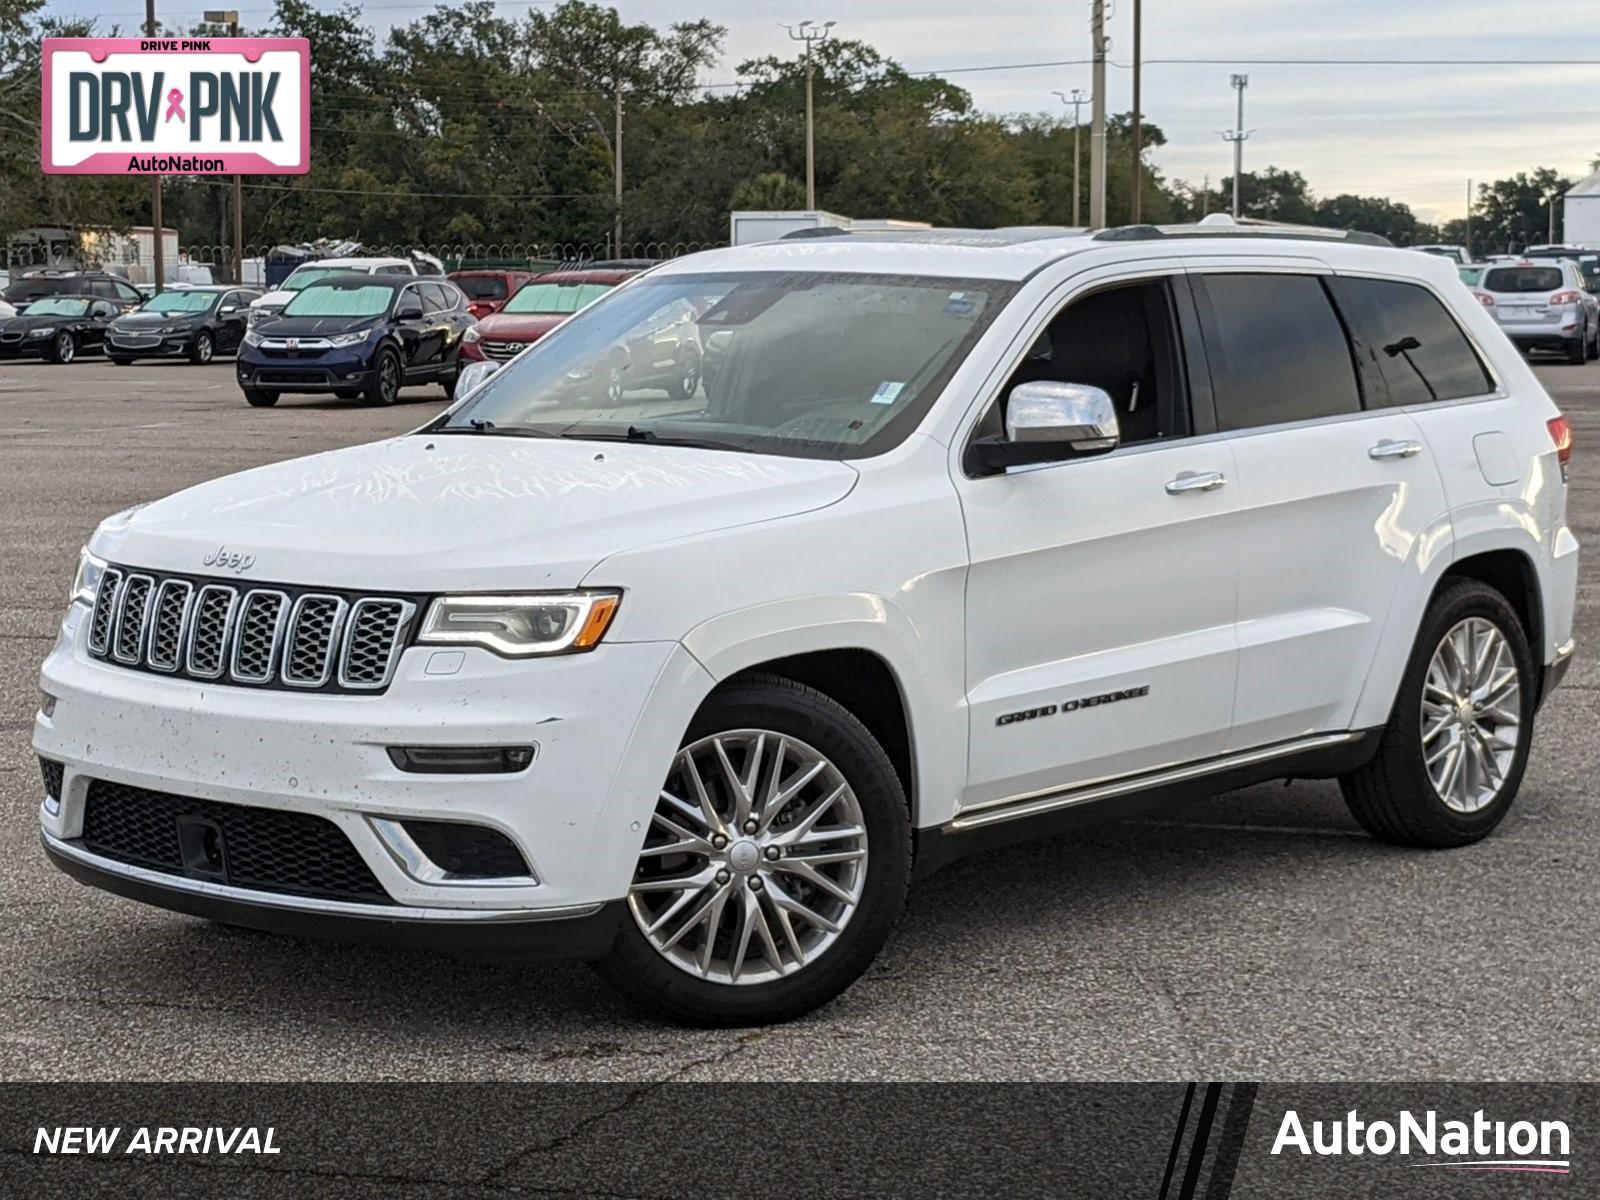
[230, 18]
[1237, 137]
[810, 32]
[1550, 202]
[1138, 116]
[1097, 117]
[616, 228]
[1076, 100]
[155, 184]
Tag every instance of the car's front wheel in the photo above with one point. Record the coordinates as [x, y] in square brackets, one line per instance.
[260, 397]
[1454, 750]
[383, 387]
[202, 350]
[775, 864]
[63, 347]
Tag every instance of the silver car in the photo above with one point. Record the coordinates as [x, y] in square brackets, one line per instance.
[1543, 306]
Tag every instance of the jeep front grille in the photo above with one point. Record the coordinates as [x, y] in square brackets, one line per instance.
[273, 637]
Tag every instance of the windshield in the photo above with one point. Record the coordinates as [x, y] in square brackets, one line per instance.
[59, 306]
[346, 298]
[308, 275]
[1470, 275]
[555, 297]
[1522, 279]
[481, 287]
[180, 302]
[802, 364]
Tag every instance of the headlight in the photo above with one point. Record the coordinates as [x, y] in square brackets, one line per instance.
[349, 339]
[521, 626]
[471, 335]
[41, 332]
[252, 338]
[170, 329]
[86, 584]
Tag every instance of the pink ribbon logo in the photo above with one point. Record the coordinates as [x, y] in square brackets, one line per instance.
[175, 105]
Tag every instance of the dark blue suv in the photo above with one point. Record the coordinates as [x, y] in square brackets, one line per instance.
[358, 336]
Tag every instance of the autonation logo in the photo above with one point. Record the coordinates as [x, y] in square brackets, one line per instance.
[1476, 1145]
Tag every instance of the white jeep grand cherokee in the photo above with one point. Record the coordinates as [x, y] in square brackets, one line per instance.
[959, 537]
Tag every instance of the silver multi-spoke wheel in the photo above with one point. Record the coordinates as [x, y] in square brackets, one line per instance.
[1471, 715]
[754, 861]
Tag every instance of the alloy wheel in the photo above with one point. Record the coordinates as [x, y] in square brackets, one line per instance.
[1471, 715]
[754, 861]
[202, 348]
[388, 380]
[65, 347]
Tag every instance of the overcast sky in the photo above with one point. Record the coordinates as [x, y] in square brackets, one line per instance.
[1413, 133]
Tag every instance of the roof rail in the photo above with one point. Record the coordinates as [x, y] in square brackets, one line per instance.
[1210, 226]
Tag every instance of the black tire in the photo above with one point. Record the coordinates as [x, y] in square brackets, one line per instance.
[1593, 344]
[448, 382]
[1392, 796]
[347, 393]
[204, 348]
[686, 378]
[63, 347]
[383, 386]
[1578, 352]
[119, 360]
[260, 397]
[773, 703]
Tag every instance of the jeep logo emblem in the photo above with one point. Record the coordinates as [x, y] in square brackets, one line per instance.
[229, 560]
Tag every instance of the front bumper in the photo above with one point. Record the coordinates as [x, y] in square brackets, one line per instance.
[145, 345]
[330, 370]
[605, 726]
[584, 931]
[27, 348]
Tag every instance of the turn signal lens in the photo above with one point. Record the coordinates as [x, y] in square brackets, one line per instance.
[523, 625]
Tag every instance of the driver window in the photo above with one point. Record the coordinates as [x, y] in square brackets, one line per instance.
[1122, 340]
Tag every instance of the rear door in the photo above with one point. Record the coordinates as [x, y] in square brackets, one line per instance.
[1336, 494]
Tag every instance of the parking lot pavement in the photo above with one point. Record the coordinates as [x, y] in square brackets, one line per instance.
[1255, 935]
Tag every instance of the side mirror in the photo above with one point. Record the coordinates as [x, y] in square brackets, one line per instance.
[1049, 422]
[229, 308]
[473, 375]
[409, 310]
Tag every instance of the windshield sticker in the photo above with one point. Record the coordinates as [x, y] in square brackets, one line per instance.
[959, 305]
[887, 392]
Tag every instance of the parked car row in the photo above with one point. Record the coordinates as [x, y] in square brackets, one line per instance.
[186, 322]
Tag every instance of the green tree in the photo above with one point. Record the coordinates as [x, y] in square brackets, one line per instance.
[771, 190]
[1510, 214]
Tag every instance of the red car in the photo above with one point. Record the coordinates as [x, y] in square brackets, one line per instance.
[489, 288]
[538, 307]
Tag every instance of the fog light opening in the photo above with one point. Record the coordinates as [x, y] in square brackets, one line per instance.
[462, 760]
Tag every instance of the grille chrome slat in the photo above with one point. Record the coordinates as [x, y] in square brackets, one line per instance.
[271, 637]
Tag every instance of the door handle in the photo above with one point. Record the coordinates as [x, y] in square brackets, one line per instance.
[1392, 449]
[1196, 481]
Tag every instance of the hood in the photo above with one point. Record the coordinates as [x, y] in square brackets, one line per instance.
[156, 320]
[307, 327]
[24, 321]
[462, 512]
[519, 327]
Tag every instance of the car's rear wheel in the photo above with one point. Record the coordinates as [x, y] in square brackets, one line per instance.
[119, 360]
[1593, 344]
[260, 397]
[686, 378]
[202, 350]
[1578, 351]
[384, 385]
[1452, 755]
[775, 865]
[63, 347]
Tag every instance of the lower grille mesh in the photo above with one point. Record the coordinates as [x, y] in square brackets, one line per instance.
[264, 849]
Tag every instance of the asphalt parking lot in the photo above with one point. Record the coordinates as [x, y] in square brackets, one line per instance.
[1258, 935]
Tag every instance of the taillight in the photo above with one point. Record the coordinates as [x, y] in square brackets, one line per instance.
[1484, 299]
[1561, 434]
[1562, 298]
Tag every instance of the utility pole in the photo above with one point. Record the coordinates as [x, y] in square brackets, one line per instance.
[1469, 219]
[810, 32]
[1205, 195]
[231, 20]
[1076, 100]
[1097, 117]
[616, 178]
[1550, 203]
[1138, 118]
[155, 183]
[1237, 137]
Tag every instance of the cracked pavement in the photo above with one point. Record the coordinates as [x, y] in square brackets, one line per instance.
[1257, 935]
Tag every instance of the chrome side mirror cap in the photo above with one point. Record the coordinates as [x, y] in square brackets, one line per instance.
[473, 376]
[1049, 422]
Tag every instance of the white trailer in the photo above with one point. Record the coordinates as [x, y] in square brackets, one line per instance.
[1580, 213]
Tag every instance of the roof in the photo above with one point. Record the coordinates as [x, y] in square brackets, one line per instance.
[357, 262]
[1011, 254]
[1585, 187]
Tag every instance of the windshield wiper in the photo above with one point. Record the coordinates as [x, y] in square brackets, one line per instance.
[636, 433]
[480, 425]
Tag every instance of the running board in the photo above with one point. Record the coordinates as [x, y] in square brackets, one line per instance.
[1034, 814]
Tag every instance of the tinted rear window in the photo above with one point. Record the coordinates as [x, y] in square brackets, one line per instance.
[1522, 279]
[482, 287]
[1409, 347]
[1277, 350]
[31, 289]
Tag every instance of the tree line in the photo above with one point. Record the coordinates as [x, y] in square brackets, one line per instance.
[469, 126]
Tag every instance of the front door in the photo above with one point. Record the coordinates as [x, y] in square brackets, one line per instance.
[1101, 591]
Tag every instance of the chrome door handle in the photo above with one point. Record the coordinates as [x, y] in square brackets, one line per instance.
[1390, 449]
[1193, 481]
